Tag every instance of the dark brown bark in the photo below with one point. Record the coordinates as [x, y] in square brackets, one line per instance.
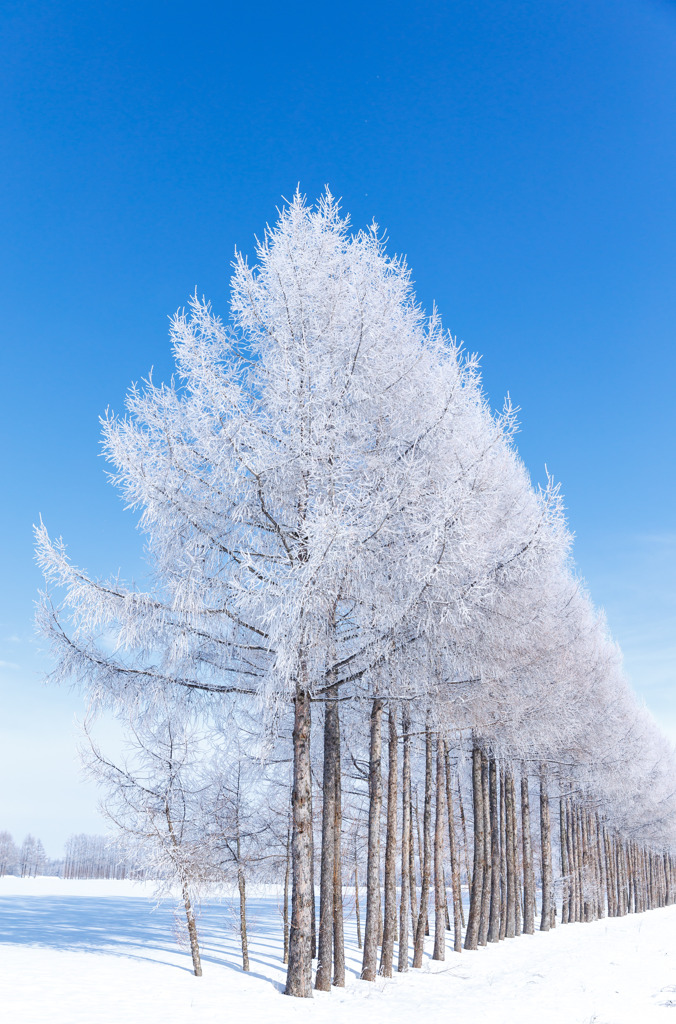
[412, 874]
[327, 875]
[313, 888]
[625, 881]
[565, 883]
[420, 862]
[484, 918]
[390, 921]
[600, 867]
[494, 922]
[299, 974]
[586, 867]
[373, 922]
[455, 860]
[503, 858]
[473, 921]
[510, 846]
[640, 879]
[665, 879]
[440, 906]
[579, 880]
[422, 924]
[570, 854]
[380, 915]
[610, 876]
[287, 872]
[356, 895]
[518, 892]
[338, 926]
[527, 853]
[546, 843]
[665, 869]
[618, 877]
[465, 844]
[598, 864]
[406, 845]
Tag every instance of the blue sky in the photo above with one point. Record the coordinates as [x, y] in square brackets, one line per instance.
[522, 155]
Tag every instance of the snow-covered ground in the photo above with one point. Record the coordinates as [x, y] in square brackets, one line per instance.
[98, 953]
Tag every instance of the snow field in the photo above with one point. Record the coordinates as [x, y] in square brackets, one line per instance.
[98, 952]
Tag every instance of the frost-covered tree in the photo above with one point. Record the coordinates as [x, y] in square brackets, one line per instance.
[153, 799]
[236, 817]
[9, 854]
[334, 515]
[32, 857]
[304, 490]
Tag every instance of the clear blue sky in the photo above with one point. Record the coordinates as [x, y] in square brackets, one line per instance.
[522, 155]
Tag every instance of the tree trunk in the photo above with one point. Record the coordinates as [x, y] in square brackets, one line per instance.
[241, 884]
[299, 974]
[390, 922]
[472, 933]
[440, 906]
[494, 923]
[327, 874]
[546, 841]
[420, 862]
[192, 932]
[593, 866]
[510, 845]
[573, 828]
[455, 861]
[406, 845]
[600, 860]
[356, 895]
[421, 927]
[338, 929]
[527, 850]
[503, 857]
[518, 894]
[586, 869]
[484, 917]
[610, 876]
[285, 958]
[631, 883]
[412, 874]
[570, 857]
[372, 926]
[564, 860]
[313, 889]
[463, 825]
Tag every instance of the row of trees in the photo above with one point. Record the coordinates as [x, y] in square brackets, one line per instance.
[86, 856]
[92, 856]
[340, 529]
[27, 860]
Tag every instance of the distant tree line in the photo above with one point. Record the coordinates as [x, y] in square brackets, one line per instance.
[86, 856]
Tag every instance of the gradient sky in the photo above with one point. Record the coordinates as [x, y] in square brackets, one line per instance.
[523, 156]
